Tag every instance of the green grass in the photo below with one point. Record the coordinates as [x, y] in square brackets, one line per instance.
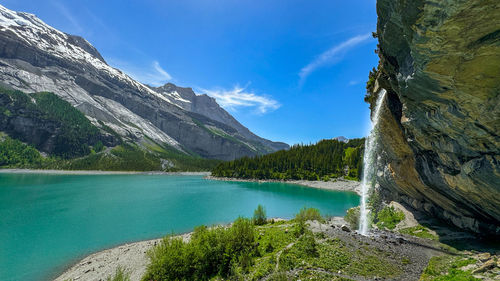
[419, 231]
[389, 217]
[272, 250]
[120, 275]
[447, 268]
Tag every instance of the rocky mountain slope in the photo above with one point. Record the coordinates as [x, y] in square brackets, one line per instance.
[440, 123]
[35, 57]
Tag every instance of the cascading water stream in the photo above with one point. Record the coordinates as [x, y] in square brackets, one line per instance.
[369, 165]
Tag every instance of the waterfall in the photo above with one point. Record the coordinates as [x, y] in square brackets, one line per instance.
[369, 165]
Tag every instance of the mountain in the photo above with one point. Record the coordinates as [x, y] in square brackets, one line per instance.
[440, 121]
[341, 138]
[35, 57]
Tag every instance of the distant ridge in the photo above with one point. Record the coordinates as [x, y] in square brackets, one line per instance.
[35, 57]
[342, 139]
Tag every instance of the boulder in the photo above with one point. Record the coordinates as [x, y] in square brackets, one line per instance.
[345, 228]
[485, 267]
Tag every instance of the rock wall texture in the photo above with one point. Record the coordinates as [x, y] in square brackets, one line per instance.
[440, 123]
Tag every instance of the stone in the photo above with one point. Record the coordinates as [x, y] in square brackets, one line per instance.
[484, 256]
[345, 228]
[485, 267]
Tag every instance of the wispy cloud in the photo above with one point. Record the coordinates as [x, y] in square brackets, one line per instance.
[161, 71]
[152, 74]
[334, 54]
[240, 97]
[63, 10]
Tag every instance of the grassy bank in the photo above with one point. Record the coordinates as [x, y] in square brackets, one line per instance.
[308, 247]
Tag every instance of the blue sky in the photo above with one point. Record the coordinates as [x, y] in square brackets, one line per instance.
[289, 70]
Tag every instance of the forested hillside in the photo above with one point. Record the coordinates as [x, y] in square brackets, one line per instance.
[43, 122]
[48, 123]
[321, 161]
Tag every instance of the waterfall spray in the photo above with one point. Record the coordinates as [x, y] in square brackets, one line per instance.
[369, 165]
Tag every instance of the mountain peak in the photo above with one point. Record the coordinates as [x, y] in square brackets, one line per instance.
[342, 139]
[34, 57]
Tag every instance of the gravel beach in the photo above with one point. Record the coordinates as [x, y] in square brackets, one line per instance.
[338, 184]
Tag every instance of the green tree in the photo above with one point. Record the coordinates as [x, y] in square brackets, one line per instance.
[259, 215]
[323, 160]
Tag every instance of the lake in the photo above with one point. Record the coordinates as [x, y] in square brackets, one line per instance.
[48, 221]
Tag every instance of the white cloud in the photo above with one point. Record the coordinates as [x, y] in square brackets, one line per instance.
[240, 97]
[332, 55]
[161, 71]
[69, 17]
[152, 74]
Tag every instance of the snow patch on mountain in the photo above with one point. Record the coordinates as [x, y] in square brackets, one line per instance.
[37, 33]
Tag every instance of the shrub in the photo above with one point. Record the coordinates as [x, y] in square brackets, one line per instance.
[259, 215]
[279, 276]
[209, 253]
[306, 214]
[389, 217]
[352, 217]
[307, 244]
[419, 231]
[120, 275]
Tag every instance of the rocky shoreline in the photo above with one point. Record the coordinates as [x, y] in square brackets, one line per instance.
[337, 184]
[94, 172]
[132, 257]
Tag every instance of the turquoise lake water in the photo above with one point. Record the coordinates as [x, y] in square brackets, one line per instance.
[49, 222]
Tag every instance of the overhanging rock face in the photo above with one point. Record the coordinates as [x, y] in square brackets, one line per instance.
[440, 143]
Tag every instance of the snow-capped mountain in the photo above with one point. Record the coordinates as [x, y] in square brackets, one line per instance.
[35, 57]
[341, 138]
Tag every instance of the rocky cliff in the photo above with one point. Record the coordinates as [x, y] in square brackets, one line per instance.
[35, 57]
[440, 123]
